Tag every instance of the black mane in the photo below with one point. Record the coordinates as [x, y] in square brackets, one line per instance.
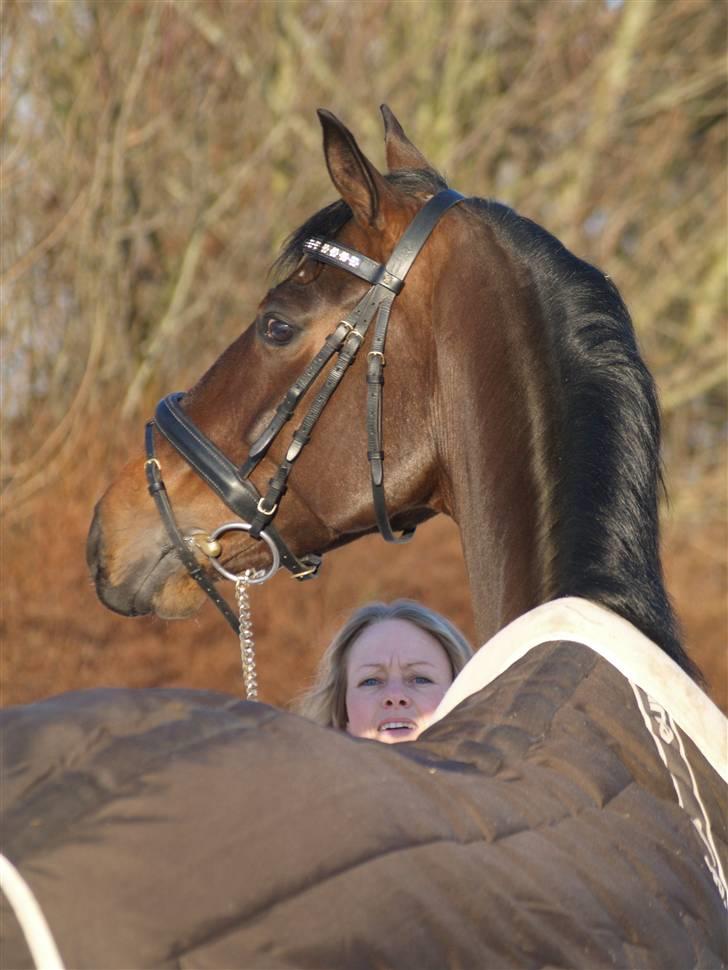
[608, 488]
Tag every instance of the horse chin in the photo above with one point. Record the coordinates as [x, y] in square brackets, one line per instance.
[178, 599]
[161, 587]
[174, 595]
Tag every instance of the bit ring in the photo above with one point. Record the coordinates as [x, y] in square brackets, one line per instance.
[260, 576]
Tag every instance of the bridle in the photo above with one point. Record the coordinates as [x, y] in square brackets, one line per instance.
[231, 483]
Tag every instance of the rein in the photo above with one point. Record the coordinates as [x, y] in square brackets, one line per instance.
[232, 483]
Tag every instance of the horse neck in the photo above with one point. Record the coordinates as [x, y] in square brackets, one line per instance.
[492, 401]
[551, 440]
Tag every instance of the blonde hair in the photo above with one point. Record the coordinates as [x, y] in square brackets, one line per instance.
[325, 701]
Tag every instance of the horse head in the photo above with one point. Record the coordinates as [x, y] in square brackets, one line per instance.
[327, 500]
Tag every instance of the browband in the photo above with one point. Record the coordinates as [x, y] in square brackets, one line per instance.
[337, 255]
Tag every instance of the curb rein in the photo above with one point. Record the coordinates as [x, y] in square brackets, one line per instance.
[233, 485]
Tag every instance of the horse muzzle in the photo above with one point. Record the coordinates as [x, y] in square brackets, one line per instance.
[155, 582]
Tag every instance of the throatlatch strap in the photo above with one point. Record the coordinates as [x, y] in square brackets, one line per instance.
[375, 453]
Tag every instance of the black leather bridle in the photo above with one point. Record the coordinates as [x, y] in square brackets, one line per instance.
[233, 484]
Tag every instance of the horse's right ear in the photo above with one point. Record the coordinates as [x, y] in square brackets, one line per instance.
[401, 153]
[359, 183]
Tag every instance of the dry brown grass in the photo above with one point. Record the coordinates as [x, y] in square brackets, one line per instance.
[154, 156]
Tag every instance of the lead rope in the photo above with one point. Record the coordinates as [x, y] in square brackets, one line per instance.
[247, 643]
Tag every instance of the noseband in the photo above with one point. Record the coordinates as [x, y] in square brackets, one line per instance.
[231, 483]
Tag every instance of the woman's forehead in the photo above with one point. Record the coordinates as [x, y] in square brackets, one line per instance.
[396, 642]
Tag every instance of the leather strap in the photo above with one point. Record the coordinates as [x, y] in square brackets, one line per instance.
[398, 265]
[284, 411]
[157, 490]
[418, 231]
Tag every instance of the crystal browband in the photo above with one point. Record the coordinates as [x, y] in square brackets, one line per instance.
[337, 255]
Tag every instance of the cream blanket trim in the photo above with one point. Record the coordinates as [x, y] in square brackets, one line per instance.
[620, 643]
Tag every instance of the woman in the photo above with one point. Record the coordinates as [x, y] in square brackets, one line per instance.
[386, 671]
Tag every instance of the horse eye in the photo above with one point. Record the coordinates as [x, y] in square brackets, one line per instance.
[278, 331]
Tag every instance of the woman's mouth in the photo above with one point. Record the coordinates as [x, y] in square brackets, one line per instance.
[395, 730]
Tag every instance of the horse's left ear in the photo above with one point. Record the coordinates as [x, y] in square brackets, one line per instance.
[401, 153]
[365, 189]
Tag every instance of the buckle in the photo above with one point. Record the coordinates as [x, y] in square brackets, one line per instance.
[352, 331]
[263, 510]
[312, 569]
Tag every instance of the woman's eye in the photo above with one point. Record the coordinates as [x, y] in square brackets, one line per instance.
[369, 682]
[278, 331]
[421, 679]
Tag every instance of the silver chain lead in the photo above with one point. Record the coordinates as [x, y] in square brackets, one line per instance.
[247, 644]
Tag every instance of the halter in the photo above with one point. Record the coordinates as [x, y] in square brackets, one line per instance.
[231, 483]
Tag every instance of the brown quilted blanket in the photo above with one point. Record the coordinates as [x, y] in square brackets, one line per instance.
[535, 826]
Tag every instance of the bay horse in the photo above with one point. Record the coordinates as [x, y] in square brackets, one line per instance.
[567, 807]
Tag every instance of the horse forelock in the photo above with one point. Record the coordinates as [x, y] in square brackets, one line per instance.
[329, 221]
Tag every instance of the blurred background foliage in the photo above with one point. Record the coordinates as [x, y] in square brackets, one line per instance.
[156, 153]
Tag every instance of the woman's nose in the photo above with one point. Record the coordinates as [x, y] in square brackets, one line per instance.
[396, 699]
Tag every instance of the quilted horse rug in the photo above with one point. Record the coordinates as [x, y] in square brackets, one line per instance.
[560, 813]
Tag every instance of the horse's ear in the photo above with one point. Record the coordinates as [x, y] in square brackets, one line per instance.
[401, 153]
[360, 184]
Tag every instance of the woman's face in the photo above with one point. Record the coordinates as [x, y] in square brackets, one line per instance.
[396, 676]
